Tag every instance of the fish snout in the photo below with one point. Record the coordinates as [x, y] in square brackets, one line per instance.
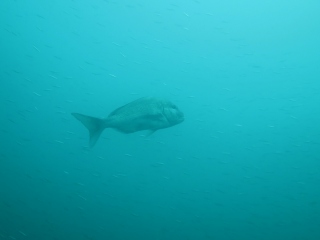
[180, 116]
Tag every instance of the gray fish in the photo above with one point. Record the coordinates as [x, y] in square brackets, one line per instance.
[142, 114]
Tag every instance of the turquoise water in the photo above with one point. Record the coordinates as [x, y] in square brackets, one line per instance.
[245, 163]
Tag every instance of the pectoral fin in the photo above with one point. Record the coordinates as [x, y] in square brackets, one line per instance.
[150, 132]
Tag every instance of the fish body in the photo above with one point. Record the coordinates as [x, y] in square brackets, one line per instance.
[146, 113]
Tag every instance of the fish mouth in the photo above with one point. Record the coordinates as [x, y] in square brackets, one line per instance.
[181, 117]
[179, 120]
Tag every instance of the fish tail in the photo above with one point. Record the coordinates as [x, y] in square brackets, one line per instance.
[94, 125]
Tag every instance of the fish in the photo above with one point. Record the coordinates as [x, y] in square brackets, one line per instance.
[147, 113]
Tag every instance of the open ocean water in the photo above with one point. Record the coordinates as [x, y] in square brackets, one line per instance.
[244, 164]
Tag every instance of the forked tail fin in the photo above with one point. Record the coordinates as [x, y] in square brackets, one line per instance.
[94, 125]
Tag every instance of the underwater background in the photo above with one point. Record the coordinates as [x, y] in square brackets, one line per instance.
[245, 163]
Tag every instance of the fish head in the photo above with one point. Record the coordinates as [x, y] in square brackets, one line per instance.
[172, 113]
